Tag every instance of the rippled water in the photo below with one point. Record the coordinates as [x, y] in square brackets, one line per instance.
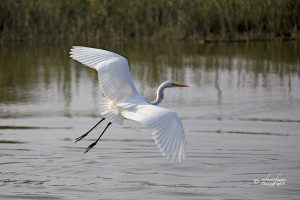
[241, 117]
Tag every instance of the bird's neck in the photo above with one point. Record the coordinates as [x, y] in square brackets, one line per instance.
[160, 95]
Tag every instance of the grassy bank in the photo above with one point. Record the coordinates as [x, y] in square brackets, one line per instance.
[207, 20]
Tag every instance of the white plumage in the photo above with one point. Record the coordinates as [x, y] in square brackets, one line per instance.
[122, 101]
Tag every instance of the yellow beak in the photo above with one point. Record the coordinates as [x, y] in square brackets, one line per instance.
[180, 85]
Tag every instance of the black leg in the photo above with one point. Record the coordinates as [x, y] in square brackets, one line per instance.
[81, 137]
[93, 144]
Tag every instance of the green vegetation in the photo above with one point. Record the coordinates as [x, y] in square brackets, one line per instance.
[207, 20]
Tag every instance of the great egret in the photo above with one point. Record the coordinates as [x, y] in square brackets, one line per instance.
[121, 101]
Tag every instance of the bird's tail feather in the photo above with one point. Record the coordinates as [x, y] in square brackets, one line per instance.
[110, 111]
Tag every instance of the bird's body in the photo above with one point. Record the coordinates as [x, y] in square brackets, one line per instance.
[121, 101]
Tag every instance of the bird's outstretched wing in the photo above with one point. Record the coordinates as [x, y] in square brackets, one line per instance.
[167, 128]
[113, 72]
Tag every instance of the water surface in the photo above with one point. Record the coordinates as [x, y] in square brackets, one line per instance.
[241, 117]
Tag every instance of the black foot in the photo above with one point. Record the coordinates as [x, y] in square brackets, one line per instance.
[80, 138]
[89, 147]
[93, 144]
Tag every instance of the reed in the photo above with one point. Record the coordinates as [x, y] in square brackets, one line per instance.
[207, 20]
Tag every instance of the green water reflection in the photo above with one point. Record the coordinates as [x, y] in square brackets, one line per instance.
[29, 71]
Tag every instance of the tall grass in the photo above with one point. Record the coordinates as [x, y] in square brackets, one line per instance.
[90, 20]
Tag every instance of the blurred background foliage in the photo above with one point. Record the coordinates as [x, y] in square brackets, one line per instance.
[203, 20]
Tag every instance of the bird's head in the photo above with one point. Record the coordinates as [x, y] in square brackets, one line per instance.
[179, 85]
[169, 84]
[160, 90]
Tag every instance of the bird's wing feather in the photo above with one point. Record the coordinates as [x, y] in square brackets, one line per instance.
[113, 72]
[167, 128]
[90, 56]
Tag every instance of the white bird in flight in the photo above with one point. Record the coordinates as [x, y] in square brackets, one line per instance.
[121, 101]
